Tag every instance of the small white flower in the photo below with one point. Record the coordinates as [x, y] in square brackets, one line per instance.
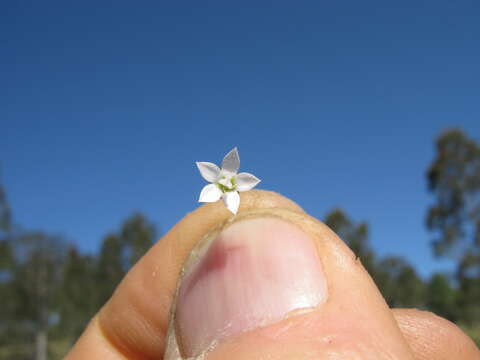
[225, 182]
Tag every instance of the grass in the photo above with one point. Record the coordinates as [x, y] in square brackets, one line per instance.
[57, 349]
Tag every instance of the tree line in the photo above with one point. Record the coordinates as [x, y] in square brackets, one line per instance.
[49, 289]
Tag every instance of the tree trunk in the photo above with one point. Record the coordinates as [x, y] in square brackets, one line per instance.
[41, 345]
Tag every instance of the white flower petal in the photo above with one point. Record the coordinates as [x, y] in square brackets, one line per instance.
[232, 201]
[231, 161]
[208, 170]
[210, 193]
[246, 181]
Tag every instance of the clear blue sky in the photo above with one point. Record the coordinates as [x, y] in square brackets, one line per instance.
[105, 107]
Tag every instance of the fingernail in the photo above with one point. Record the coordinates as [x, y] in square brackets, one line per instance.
[254, 273]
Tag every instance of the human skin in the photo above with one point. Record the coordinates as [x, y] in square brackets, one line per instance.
[352, 321]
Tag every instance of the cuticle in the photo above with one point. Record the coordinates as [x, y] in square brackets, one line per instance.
[202, 245]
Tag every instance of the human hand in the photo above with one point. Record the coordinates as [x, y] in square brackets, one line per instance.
[277, 284]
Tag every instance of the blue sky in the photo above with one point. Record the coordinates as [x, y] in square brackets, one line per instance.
[105, 107]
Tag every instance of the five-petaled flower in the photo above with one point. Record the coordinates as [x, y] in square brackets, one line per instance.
[225, 182]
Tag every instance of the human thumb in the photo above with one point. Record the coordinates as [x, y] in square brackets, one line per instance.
[277, 284]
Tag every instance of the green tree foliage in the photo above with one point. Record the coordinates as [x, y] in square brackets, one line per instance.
[136, 236]
[442, 297]
[8, 301]
[5, 213]
[6, 258]
[454, 217]
[49, 290]
[468, 278]
[454, 180]
[399, 283]
[120, 252]
[355, 235]
[110, 269]
[396, 279]
[76, 298]
[33, 286]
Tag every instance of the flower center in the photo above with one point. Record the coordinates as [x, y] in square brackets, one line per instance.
[227, 183]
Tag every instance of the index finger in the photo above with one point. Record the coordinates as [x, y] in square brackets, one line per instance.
[134, 322]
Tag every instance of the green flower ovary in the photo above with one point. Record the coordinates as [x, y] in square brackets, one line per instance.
[225, 188]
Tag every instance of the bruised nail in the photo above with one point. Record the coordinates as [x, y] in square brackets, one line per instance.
[254, 273]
